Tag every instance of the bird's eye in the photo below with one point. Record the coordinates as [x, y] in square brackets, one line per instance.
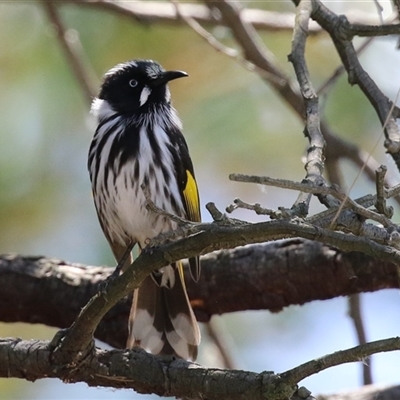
[133, 83]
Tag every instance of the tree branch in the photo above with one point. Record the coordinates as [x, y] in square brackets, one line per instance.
[133, 369]
[354, 312]
[83, 74]
[257, 275]
[374, 30]
[318, 189]
[340, 31]
[158, 12]
[315, 152]
[146, 373]
[357, 353]
[255, 52]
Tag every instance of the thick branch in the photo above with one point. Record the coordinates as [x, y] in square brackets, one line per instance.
[266, 276]
[134, 369]
[146, 373]
[208, 237]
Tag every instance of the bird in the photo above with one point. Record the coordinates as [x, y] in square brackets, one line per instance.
[138, 144]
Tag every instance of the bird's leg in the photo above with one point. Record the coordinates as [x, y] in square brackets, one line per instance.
[115, 274]
[122, 261]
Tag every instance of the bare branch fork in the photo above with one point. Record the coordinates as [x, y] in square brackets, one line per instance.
[320, 189]
[342, 34]
[388, 234]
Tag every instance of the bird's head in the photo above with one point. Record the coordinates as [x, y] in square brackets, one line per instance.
[137, 86]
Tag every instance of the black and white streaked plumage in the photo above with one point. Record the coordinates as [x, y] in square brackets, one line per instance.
[138, 141]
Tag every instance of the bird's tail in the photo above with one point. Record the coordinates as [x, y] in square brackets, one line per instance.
[161, 319]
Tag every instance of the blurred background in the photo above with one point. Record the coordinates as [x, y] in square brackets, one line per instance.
[233, 123]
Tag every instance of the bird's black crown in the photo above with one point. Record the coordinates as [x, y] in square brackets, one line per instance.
[137, 86]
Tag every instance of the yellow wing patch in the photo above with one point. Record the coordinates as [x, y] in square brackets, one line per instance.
[192, 202]
[191, 196]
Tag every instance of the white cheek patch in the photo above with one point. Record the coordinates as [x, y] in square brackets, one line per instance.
[144, 95]
[101, 109]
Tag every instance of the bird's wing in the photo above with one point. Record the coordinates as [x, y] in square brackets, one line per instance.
[189, 192]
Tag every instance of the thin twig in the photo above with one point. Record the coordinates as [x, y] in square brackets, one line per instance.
[309, 188]
[212, 40]
[152, 207]
[381, 205]
[393, 191]
[340, 70]
[341, 32]
[347, 222]
[222, 218]
[387, 145]
[273, 214]
[315, 152]
[379, 9]
[354, 301]
[182, 227]
[220, 47]
[163, 12]
[354, 354]
[257, 208]
[85, 78]
[355, 314]
[255, 51]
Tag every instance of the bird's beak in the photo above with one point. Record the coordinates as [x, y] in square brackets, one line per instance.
[167, 76]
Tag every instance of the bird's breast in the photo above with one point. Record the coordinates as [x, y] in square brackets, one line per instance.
[131, 180]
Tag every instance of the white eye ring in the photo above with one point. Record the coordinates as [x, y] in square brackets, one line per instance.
[133, 83]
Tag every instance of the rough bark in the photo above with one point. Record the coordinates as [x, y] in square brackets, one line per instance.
[146, 373]
[264, 276]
